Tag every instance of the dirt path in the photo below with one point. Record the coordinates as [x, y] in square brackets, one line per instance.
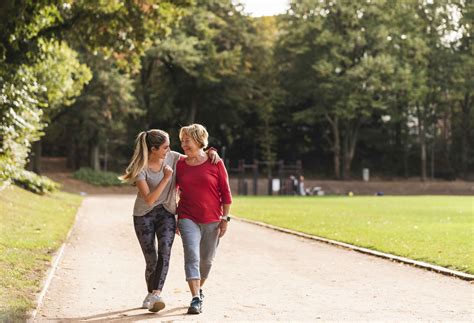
[259, 274]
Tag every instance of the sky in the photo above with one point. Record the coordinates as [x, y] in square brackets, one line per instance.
[259, 8]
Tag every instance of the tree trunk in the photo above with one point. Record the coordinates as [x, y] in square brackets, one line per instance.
[433, 147]
[465, 134]
[447, 141]
[406, 150]
[35, 157]
[77, 154]
[400, 148]
[336, 145]
[95, 162]
[422, 139]
[350, 143]
[345, 144]
[38, 152]
[74, 154]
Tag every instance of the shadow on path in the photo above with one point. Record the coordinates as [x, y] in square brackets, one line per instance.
[127, 315]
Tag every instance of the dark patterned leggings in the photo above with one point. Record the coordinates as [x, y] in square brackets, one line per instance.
[161, 223]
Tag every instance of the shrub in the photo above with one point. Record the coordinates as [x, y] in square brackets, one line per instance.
[98, 178]
[34, 182]
[20, 120]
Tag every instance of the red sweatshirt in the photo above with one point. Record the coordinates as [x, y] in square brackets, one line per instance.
[203, 189]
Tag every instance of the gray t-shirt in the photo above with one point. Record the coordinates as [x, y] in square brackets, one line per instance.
[153, 178]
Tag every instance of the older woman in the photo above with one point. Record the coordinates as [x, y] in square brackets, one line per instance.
[203, 209]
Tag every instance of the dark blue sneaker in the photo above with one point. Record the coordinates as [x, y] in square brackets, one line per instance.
[195, 306]
[201, 296]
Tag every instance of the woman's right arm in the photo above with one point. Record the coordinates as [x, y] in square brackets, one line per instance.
[144, 190]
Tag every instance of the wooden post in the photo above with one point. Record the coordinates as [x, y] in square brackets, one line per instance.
[240, 181]
[255, 177]
[270, 190]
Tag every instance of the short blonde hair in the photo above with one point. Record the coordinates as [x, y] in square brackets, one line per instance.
[197, 132]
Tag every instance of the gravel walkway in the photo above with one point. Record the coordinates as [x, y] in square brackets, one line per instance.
[258, 274]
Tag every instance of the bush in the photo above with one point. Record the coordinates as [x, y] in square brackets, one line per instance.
[20, 118]
[98, 178]
[34, 182]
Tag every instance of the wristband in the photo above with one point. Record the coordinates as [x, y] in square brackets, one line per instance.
[225, 218]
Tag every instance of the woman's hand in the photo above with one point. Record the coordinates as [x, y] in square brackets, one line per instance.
[214, 156]
[167, 172]
[222, 228]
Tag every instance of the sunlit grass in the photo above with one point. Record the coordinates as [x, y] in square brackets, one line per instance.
[434, 229]
[32, 227]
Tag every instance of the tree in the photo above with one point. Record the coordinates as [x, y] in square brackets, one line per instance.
[64, 77]
[334, 67]
[98, 117]
[34, 34]
[463, 85]
[213, 68]
[434, 71]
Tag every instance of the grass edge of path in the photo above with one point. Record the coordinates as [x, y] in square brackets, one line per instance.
[32, 228]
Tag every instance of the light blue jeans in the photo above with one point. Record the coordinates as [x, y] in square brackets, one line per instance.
[200, 242]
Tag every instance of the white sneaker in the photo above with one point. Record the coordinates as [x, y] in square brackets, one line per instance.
[156, 303]
[146, 301]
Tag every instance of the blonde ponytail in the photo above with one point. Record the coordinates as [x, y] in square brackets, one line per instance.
[139, 160]
[143, 144]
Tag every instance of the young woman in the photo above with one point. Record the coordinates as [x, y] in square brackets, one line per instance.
[152, 169]
[203, 210]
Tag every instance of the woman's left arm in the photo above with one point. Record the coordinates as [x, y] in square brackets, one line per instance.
[226, 196]
[223, 184]
[224, 223]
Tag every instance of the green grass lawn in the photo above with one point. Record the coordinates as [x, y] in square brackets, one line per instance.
[434, 229]
[32, 227]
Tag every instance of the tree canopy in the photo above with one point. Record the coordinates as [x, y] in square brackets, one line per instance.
[342, 85]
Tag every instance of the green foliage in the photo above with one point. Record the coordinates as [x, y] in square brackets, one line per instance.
[106, 102]
[345, 65]
[61, 73]
[118, 29]
[215, 67]
[30, 96]
[20, 121]
[98, 178]
[333, 67]
[371, 83]
[33, 182]
[98, 117]
[40, 74]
